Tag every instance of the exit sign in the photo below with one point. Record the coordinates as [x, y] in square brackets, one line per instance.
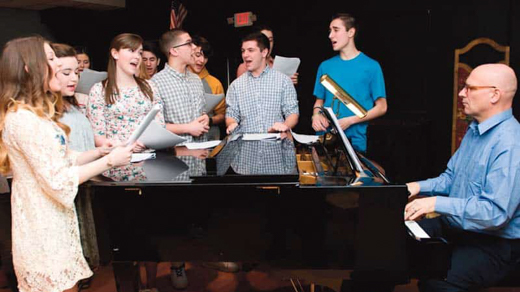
[243, 19]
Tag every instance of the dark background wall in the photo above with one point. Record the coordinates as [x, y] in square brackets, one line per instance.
[414, 41]
[17, 22]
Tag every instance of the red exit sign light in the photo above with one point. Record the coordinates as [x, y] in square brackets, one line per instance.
[243, 19]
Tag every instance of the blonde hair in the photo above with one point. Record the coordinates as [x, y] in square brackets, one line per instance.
[24, 83]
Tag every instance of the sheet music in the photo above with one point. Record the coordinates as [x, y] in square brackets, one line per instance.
[88, 78]
[157, 137]
[137, 157]
[212, 100]
[287, 66]
[305, 139]
[416, 229]
[144, 124]
[202, 145]
[258, 137]
[234, 137]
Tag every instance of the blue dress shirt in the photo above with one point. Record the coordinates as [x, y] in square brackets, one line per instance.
[480, 189]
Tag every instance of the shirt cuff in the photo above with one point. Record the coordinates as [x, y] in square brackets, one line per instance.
[233, 117]
[426, 186]
[449, 206]
[442, 205]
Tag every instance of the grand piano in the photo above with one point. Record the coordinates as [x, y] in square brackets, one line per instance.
[275, 201]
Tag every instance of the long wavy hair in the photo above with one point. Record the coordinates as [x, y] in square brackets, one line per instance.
[24, 83]
[123, 41]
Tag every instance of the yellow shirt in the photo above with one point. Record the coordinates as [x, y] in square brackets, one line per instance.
[216, 88]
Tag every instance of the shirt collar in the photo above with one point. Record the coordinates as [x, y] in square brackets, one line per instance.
[204, 73]
[491, 122]
[266, 70]
[175, 72]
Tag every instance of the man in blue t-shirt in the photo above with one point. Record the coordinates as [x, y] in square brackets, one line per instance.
[357, 74]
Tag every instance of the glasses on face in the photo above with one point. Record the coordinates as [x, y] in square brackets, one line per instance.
[184, 44]
[469, 88]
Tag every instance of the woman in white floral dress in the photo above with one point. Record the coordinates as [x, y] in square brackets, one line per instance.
[47, 253]
[118, 104]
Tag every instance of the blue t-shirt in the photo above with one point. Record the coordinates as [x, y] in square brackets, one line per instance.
[362, 78]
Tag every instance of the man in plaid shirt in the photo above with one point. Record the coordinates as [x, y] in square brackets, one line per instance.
[181, 90]
[183, 97]
[263, 99]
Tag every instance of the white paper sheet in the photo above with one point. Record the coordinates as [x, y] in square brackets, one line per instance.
[137, 157]
[143, 125]
[234, 137]
[202, 145]
[211, 101]
[157, 137]
[287, 66]
[88, 78]
[263, 136]
[305, 139]
[416, 229]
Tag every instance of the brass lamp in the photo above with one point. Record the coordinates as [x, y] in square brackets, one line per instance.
[341, 95]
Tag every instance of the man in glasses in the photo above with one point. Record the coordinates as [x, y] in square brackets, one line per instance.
[478, 195]
[358, 75]
[212, 85]
[183, 95]
[181, 90]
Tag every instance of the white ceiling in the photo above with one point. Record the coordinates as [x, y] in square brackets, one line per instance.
[46, 4]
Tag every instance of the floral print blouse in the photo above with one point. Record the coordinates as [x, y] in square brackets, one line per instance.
[118, 121]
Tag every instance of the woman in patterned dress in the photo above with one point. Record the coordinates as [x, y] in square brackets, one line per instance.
[118, 104]
[47, 253]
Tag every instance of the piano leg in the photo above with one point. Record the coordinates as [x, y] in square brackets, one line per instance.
[126, 276]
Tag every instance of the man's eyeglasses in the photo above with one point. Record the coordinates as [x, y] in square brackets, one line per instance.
[469, 88]
[186, 43]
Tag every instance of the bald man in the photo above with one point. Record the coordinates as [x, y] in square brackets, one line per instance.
[478, 195]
